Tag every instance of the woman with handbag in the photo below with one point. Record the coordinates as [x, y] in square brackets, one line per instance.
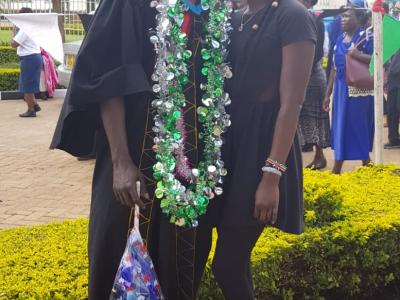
[353, 102]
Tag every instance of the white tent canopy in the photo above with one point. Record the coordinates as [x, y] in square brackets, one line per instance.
[43, 29]
[334, 4]
[330, 4]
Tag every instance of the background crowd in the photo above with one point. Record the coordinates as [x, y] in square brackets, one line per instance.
[348, 128]
[350, 133]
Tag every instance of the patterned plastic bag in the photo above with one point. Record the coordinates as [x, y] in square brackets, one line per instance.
[136, 278]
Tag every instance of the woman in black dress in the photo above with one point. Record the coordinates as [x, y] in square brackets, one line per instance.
[273, 46]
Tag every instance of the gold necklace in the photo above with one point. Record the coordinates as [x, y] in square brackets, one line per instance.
[274, 4]
[242, 24]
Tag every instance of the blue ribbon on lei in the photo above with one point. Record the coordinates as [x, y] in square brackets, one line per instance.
[196, 9]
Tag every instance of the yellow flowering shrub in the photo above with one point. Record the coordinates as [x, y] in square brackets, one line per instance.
[350, 249]
[322, 203]
[46, 262]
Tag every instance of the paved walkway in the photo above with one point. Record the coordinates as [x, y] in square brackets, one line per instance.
[38, 185]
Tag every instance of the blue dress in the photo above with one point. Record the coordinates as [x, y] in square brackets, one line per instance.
[352, 117]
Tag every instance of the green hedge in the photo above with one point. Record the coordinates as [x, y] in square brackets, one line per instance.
[74, 29]
[8, 55]
[351, 253]
[351, 247]
[4, 43]
[5, 36]
[9, 79]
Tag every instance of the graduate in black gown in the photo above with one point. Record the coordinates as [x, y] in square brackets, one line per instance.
[109, 97]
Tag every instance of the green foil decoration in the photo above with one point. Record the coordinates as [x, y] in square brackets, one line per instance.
[185, 201]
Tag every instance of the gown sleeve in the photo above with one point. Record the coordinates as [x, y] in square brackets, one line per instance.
[109, 64]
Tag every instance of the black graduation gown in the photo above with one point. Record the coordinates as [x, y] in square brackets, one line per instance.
[116, 59]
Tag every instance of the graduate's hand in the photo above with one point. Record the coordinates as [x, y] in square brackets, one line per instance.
[125, 173]
[125, 176]
[267, 199]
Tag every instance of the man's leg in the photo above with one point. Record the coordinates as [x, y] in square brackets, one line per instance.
[108, 229]
[204, 242]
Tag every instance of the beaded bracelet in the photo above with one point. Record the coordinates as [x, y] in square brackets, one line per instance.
[276, 165]
[272, 170]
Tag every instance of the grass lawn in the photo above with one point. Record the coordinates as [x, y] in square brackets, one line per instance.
[73, 37]
[5, 36]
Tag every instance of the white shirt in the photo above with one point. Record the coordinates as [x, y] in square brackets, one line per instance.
[26, 45]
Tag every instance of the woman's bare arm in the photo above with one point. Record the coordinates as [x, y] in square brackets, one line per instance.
[329, 90]
[295, 76]
[360, 56]
[294, 80]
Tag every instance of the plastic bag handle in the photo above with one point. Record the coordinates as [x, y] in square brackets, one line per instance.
[137, 209]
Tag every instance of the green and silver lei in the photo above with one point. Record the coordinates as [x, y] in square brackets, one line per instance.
[185, 194]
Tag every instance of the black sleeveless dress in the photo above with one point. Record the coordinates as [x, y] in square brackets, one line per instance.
[256, 57]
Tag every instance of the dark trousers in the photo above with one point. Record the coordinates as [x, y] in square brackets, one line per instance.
[393, 115]
[232, 265]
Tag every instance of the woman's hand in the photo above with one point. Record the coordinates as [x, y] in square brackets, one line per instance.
[354, 52]
[359, 55]
[125, 176]
[267, 199]
[326, 104]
